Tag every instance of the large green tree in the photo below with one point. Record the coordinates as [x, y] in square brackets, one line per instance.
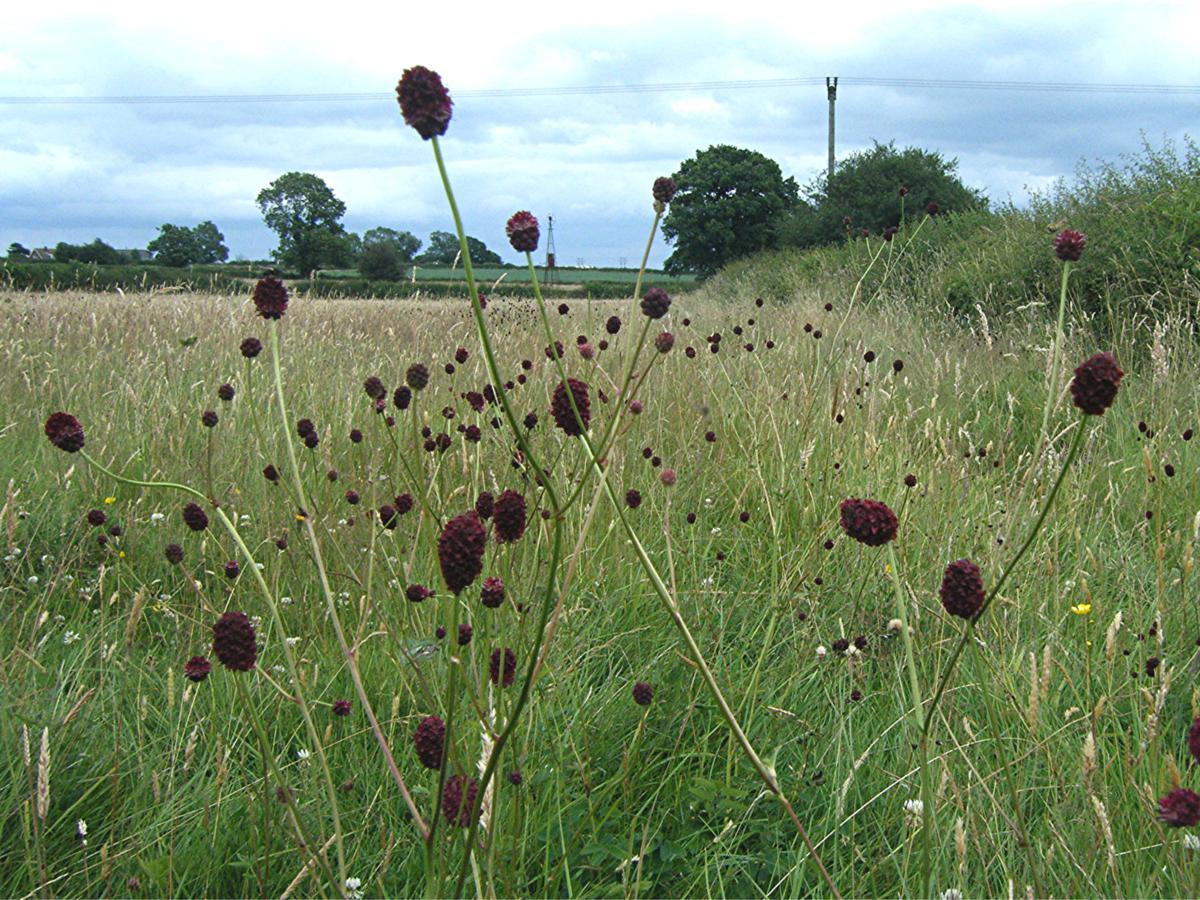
[302, 210]
[865, 188]
[97, 252]
[729, 203]
[18, 251]
[178, 245]
[443, 250]
[405, 243]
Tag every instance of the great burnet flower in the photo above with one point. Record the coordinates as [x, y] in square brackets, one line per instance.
[194, 517]
[962, 589]
[505, 678]
[492, 593]
[424, 101]
[251, 347]
[643, 693]
[655, 303]
[522, 231]
[197, 668]
[270, 298]
[460, 550]
[508, 517]
[458, 799]
[1069, 245]
[64, 432]
[429, 741]
[1180, 808]
[560, 407]
[1193, 739]
[484, 504]
[868, 521]
[417, 376]
[233, 642]
[1094, 386]
[663, 190]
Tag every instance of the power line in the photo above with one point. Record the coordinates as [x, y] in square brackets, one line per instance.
[600, 89]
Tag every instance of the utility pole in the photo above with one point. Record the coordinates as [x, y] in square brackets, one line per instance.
[831, 90]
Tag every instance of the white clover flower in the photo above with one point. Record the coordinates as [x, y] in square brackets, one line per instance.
[951, 894]
[302, 754]
[707, 582]
[293, 641]
[895, 625]
[913, 811]
[156, 518]
[81, 832]
[70, 637]
[353, 886]
[1191, 842]
[716, 530]
[821, 652]
[32, 579]
[286, 601]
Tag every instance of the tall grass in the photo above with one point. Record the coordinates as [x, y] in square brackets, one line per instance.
[615, 798]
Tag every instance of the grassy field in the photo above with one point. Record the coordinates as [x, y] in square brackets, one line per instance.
[1061, 727]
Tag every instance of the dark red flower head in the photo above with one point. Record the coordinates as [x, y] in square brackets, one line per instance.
[341, 708]
[509, 517]
[232, 569]
[564, 415]
[663, 190]
[65, 432]
[868, 521]
[932, 208]
[455, 806]
[1193, 740]
[226, 392]
[270, 298]
[1094, 386]
[656, 303]
[194, 517]
[424, 101]
[233, 642]
[460, 550]
[417, 593]
[209, 418]
[492, 594]
[417, 376]
[96, 517]
[664, 342]
[613, 325]
[510, 667]
[251, 347]
[374, 387]
[643, 693]
[522, 230]
[962, 589]
[1069, 245]
[173, 553]
[430, 741]
[485, 503]
[197, 668]
[1180, 808]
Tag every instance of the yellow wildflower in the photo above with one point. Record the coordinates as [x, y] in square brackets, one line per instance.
[109, 501]
[1081, 609]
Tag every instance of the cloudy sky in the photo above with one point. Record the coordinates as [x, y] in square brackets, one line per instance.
[74, 171]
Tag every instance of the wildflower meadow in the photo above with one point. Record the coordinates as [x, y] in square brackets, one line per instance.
[706, 594]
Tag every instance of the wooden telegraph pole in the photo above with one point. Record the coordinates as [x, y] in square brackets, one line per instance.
[831, 90]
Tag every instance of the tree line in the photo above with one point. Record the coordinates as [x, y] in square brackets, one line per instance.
[729, 203]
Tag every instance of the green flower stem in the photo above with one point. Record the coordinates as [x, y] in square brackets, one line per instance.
[914, 687]
[485, 341]
[1052, 384]
[637, 285]
[349, 653]
[969, 631]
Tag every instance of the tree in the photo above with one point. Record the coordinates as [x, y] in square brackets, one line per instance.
[18, 251]
[380, 261]
[865, 187]
[210, 243]
[178, 245]
[302, 210]
[443, 250]
[405, 243]
[729, 203]
[97, 253]
[175, 245]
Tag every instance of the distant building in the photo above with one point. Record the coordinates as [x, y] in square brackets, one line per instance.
[42, 254]
[137, 255]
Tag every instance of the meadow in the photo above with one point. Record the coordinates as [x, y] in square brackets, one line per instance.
[1064, 724]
